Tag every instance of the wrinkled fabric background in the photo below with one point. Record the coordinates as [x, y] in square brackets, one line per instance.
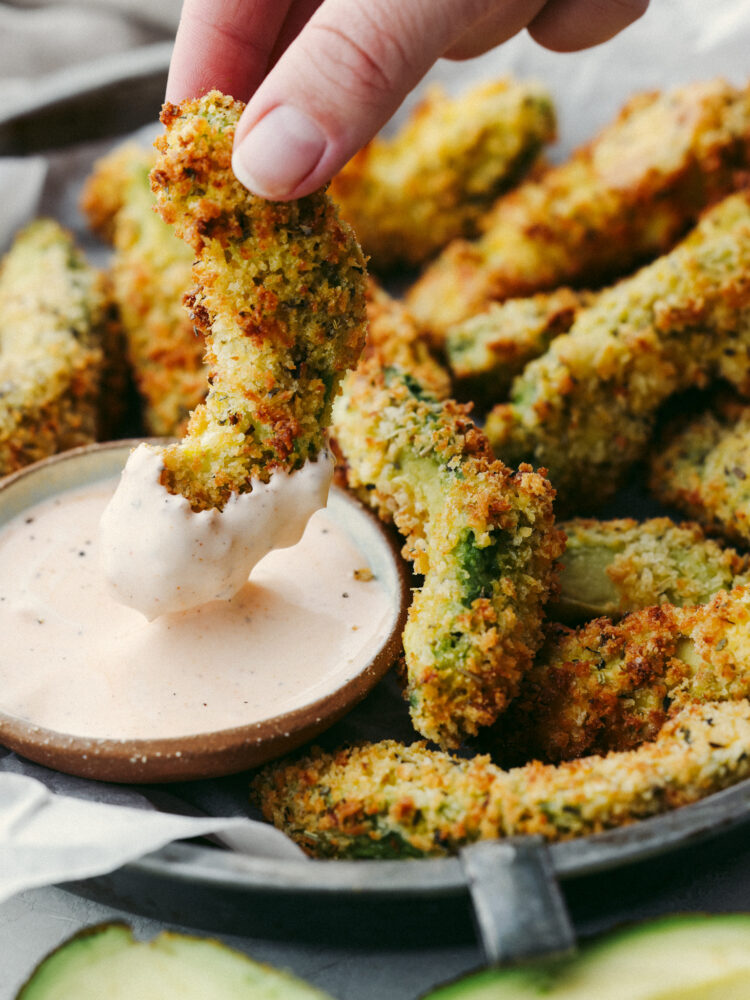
[46, 44]
[676, 41]
[44, 36]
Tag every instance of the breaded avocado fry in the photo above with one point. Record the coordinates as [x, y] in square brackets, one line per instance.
[407, 196]
[387, 800]
[615, 567]
[486, 352]
[608, 686]
[482, 535]
[394, 339]
[624, 197]
[585, 410]
[704, 470]
[53, 321]
[151, 272]
[280, 297]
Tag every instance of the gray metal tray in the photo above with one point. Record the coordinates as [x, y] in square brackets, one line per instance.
[511, 888]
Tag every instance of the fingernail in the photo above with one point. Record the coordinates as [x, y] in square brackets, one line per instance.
[279, 152]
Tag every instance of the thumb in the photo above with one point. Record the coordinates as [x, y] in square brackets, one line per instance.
[340, 80]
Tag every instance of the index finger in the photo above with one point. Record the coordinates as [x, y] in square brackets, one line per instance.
[224, 45]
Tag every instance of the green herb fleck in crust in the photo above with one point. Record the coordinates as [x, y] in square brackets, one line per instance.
[482, 536]
[392, 801]
[280, 297]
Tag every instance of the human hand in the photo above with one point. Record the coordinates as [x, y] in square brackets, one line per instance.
[322, 76]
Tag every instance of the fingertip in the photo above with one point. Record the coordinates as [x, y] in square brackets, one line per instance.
[275, 157]
[571, 25]
[224, 45]
[346, 71]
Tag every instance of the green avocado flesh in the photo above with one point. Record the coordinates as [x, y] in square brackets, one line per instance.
[107, 962]
[676, 958]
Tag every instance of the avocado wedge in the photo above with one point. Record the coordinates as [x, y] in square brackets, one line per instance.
[107, 961]
[674, 958]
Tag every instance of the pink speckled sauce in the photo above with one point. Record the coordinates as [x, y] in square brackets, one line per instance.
[75, 661]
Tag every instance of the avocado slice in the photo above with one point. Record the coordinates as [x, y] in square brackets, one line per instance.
[107, 961]
[674, 958]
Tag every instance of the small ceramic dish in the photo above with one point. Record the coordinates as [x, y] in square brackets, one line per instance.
[206, 754]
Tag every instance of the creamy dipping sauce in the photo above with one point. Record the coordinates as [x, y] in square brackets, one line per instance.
[158, 555]
[76, 661]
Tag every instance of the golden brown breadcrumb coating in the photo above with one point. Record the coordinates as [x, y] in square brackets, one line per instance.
[608, 686]
[704, 470]
[626, 196]
[151, 272]
[387, 800]
[482, 535]
[409, 195]
[486, 352]
[394, 339]
[615, 567]
[586, 409]
[54, 315]
[280, 297]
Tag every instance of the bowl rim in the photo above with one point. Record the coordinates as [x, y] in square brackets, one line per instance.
[180, 758]
[227, 870]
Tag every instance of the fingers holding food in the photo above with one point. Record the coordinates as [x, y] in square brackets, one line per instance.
[280, 299]
[482, 535]
[387, 800]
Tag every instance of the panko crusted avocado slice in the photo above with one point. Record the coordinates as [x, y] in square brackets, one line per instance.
[482, 535]
[615, 567]
[387, 800]
[151, 270]
[486, 352]
[280, 296]
[703, 469]
[586, 409]
[625, 196]
[394, 340]
[608, 686]
[407, 196]
[55, 324]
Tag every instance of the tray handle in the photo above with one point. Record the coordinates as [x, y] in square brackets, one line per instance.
[518, 907]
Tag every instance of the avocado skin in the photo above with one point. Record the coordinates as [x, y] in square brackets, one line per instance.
[713, 952]
[107, 961]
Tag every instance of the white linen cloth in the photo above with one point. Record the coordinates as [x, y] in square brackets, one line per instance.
[47, 838]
